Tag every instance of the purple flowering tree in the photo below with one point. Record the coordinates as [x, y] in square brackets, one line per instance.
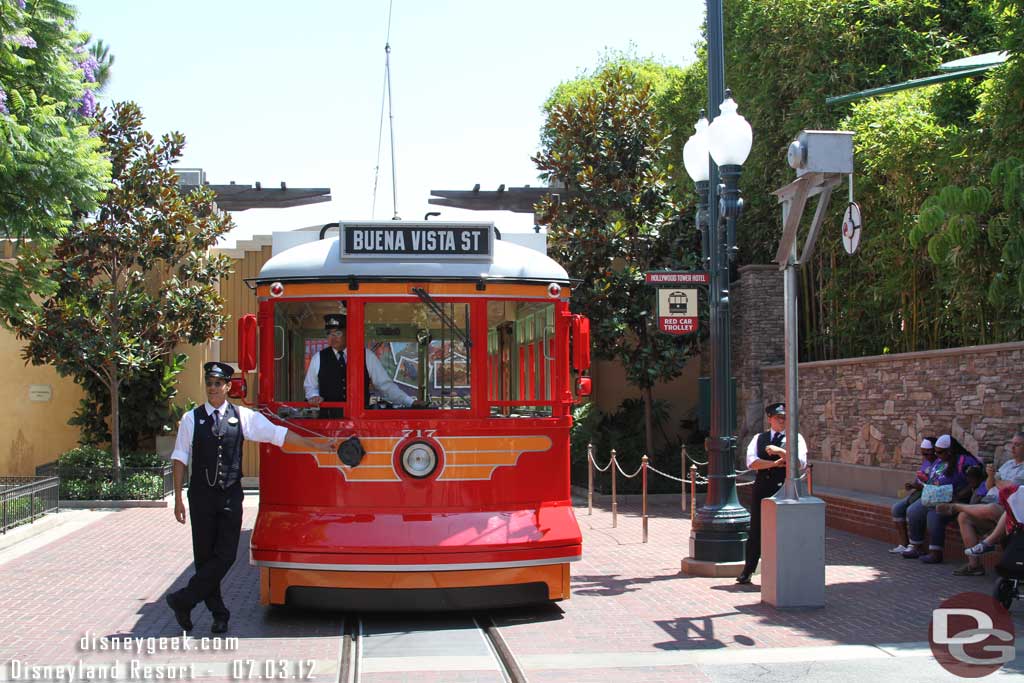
[51, 165]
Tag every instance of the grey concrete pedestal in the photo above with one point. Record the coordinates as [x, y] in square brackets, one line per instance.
[793, 552]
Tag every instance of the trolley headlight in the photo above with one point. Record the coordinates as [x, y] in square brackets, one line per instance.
[276, 289]
[419, 459]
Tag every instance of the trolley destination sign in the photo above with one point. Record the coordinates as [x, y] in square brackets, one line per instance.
[434, 241]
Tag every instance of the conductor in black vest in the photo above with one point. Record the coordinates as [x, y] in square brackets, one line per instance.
[325, 377]
[211, 437]
[766, 454]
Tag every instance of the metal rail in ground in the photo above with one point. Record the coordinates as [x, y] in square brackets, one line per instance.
[387, 643]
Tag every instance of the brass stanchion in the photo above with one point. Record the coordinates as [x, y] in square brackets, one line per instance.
[590, 478]
[693, 491]
[810, 479]
[682, 475]
[643, 498]
[615, 500]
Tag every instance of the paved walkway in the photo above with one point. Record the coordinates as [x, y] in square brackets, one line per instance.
[633, 616]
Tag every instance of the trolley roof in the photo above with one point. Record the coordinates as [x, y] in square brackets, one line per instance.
[320, 261]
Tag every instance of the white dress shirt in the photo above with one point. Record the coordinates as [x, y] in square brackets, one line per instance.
[801, 448]
[384, 385]
[255, 427]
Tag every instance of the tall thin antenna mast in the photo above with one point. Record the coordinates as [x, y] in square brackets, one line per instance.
[391, 125]
[386, 96]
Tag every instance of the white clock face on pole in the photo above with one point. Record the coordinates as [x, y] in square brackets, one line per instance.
[852, 224]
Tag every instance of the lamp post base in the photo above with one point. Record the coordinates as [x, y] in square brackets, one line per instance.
[694, 567]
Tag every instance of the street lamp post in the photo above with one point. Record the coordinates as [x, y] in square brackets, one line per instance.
[720, 527]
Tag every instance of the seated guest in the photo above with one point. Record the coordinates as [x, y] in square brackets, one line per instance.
[899, 510]
[976, 485]
[1011, 499]
[981, 518]
[923, 520]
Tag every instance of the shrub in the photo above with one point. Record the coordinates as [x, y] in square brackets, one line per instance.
[87, 473]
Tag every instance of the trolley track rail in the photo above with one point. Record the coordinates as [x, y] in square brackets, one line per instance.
[373, 643]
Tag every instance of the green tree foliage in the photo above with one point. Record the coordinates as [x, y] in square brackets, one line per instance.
[885, 298]
[604, 139]
[50, 166]
[147, 410]
[975, 237]
[135, 281]
[784, 57]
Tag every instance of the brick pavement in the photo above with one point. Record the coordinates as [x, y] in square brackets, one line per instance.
[109, 578]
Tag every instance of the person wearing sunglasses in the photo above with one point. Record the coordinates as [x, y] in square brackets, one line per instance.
[211, 437]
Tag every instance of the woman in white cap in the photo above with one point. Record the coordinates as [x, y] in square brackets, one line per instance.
[923, 521]
[899, 510]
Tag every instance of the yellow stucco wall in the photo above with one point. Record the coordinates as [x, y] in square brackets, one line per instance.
[682, 393]
[239, 300]
[37, 432]
[33, 432]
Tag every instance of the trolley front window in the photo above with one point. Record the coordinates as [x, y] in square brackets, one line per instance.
[425, 349]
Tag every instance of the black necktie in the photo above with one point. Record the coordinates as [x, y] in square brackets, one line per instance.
[216, 422]
[777, 439]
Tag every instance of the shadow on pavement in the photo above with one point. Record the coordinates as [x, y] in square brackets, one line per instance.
[249, 619]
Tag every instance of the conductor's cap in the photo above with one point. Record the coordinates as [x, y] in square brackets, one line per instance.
[774, 409]
[218, 369]
[334, 322]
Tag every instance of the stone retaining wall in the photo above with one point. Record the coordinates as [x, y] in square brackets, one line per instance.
[875, 410]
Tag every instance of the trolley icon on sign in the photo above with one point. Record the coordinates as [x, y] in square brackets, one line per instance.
[678, 303]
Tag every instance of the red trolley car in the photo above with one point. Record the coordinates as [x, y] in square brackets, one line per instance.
[464, 502]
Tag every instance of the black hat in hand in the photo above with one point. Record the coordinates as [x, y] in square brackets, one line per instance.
[351, 452]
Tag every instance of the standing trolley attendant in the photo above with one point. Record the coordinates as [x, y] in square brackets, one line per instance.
[212, 434]
[766, 454]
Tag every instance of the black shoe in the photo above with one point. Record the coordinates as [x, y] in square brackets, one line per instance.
[744, 578]
[219, 626]
[182, 615]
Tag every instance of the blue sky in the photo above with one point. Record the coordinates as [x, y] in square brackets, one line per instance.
[291, 91]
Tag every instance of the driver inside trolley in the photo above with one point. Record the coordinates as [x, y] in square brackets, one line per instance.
[325, 378]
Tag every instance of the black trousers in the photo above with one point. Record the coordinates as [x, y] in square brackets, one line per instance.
[763, 488]
[216, 516]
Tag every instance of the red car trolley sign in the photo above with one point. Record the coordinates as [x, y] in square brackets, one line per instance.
[677, 310]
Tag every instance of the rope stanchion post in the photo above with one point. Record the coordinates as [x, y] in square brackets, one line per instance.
[682, 471]
[693, 491]
[643, 466]
[810, 479]
[615, 500]
[590, 479]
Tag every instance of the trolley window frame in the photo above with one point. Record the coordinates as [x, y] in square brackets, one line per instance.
[481, 404]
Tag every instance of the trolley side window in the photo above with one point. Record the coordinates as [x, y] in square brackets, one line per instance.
[298, 336]
[424, 348]
[520, 358]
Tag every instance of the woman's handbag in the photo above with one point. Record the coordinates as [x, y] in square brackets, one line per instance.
[933, 494]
